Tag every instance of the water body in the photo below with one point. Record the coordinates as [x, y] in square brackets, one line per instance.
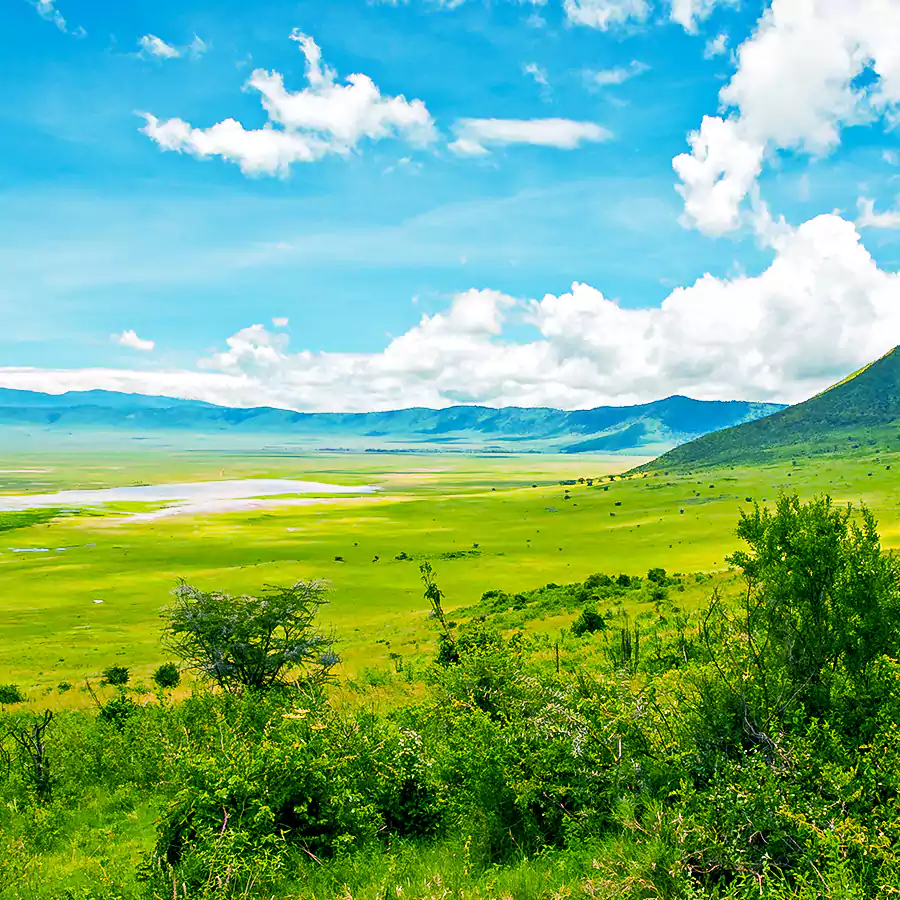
[187, 499]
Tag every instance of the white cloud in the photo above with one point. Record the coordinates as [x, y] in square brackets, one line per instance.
[451, 4]
[197, 46]
[151, 45]
[717, 174]
[475, 136]
[280, 322]
[132, 341]
[605, 14]
[717, 46]
[868, 218]
[891, 157]
[304, 126]
[46, 9]
[688, 13]
[822, 309]
[606, 77]
[540, 77]
[154, 46]
[794, 89]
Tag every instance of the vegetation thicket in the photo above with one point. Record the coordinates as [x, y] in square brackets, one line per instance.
[750, 748]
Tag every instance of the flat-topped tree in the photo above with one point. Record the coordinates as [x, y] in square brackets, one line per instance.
[252, 642]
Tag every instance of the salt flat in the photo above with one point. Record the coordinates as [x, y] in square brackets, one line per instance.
[189, 498]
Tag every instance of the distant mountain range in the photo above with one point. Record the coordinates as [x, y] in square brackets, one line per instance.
[645, 429]
[860, 413]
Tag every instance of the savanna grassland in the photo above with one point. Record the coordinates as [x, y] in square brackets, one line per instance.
[485, 522]
[555, 681]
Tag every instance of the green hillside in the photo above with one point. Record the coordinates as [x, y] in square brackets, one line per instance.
[861, 412]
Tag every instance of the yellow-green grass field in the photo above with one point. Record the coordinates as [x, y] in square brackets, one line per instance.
[484, 522]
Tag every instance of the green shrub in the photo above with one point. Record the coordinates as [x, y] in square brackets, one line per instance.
[10, 694]
[280, 780]
[588, 622]
[167, 676]
[118, 676]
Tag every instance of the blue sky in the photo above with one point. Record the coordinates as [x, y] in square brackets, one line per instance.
[427, 252]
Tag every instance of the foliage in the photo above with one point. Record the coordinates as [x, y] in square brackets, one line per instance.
[283, 779]
[167, 676]
[10, 694]
[252, 643]
[822, 605]
[588, 622]
[118, 676]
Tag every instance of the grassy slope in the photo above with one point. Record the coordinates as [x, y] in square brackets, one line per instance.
[51, 630]
[862, 412]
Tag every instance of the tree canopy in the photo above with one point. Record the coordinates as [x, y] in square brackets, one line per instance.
[252, 642]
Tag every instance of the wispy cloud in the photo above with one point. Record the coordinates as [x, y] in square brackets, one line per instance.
[153, 46]
[539, 75]
[618, 75]
[868, 218]
[717, 46]
[46, 9]
[474, 137]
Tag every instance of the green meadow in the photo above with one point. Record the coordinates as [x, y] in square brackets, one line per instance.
[484, 522]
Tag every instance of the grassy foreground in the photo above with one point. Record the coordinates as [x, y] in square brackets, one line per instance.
[485, 522]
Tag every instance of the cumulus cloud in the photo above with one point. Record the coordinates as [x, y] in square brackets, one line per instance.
[303, 126]
[822, 309]
[475, 136]
[795, 88]
[280, 322]
[868, 218]
[130, 339]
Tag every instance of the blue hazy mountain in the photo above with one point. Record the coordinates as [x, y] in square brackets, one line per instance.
[646, 428]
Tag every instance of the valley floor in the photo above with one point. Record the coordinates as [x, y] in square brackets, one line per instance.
[483, 522]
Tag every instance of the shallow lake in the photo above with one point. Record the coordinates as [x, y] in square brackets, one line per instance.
[196, 497]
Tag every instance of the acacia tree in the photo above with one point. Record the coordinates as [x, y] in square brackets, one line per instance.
[252, 643]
